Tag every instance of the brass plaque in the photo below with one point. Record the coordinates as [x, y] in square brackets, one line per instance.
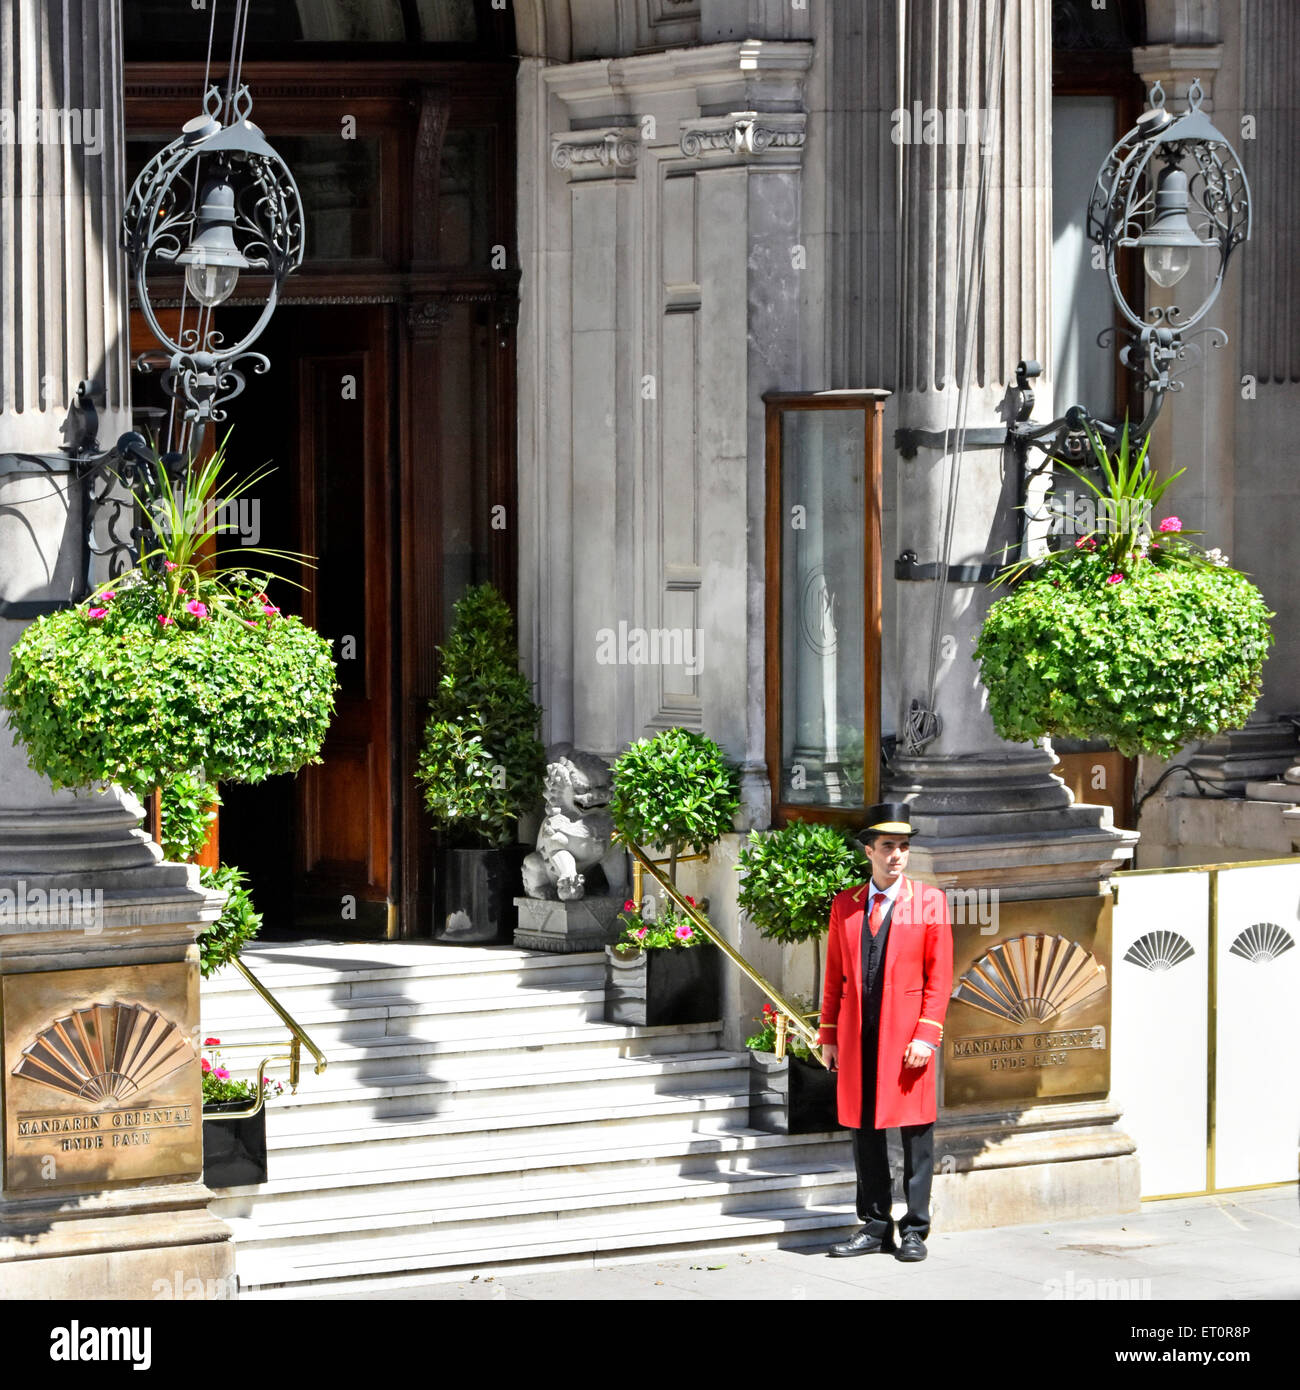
[101, 1083]
[1029, 1016]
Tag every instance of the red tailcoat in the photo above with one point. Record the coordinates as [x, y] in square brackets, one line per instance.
[918, 981]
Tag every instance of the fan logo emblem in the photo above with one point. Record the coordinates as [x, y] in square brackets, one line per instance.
[106, 1052]
[1262, 943]
[1031, 979]
[1159, 950]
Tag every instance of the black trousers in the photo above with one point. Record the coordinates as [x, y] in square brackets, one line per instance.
[871, 1159]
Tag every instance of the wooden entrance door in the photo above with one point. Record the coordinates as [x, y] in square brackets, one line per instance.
[318, 846]
[341, 454]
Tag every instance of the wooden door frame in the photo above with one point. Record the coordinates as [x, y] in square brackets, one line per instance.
[871, 406]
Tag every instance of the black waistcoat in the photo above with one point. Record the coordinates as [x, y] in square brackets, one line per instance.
[873, 971]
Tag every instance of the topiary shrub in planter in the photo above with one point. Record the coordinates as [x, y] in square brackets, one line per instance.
[1137, 637]
[675, 790]
[482, 767]
[790, 876]
[662, 970]
[792, 1095]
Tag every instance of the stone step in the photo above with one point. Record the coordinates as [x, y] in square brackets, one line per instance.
[476, 1178]
[230, 994]
[451, 1058]
[394, 1016]
[286, 963]
[299, 1270]
[444, 1139]
[526, 1092]
[348, 1223]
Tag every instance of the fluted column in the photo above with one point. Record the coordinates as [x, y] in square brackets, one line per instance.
[62, 321]
[964, 122]
[91, 916]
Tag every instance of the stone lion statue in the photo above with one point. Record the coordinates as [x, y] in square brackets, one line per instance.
[577, 831]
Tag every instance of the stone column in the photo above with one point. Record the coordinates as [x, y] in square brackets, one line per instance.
[1016, 1141]
[986, 811]
[97, 1202]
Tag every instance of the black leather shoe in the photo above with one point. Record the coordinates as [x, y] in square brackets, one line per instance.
[864, 1243]
[912, 1248]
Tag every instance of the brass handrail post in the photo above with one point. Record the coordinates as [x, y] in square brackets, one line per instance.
[795, 1022]
[295, 1028]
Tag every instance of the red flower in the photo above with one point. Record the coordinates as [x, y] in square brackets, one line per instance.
[690, 900]
[211, 1042]
[629, 906]
[207, 1066]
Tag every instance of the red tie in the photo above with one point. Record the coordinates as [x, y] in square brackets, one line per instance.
[877, 914]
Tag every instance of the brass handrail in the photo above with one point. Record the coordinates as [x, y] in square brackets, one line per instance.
[796, 1022]
[298, 1039]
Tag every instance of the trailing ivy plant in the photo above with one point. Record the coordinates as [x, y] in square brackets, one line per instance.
[1137, 637]
[675, 790]
[238, 924]
[189, 806]
[790, 877]
[482, 765]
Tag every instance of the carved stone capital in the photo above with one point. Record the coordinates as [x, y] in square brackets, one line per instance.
[743, 133]
[603, 152]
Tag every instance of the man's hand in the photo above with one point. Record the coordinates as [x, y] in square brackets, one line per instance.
[830, 1051]
[917, 1055]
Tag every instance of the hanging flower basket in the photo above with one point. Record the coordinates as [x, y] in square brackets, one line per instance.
[175, 665]
[1140, 638]
[152, 678]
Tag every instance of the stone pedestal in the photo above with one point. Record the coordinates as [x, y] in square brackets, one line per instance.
[587, 924]
[1024, 1163]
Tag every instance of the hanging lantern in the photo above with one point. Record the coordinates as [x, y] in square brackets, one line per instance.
[215, 203]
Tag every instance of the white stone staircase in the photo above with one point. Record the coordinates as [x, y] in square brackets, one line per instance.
[477, 1114]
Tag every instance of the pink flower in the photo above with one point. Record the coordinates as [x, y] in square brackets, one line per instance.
[97, 613]
[1171, 523]
[166, 621]
[169, 565]
[108, 597]
[684, 933]
[640, 932]
[250, 622]
[269, 609]
[629, 906]
[1115, 579]
[221, 1074]
[200, 610]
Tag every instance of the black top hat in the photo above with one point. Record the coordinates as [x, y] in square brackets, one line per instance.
[888, 818]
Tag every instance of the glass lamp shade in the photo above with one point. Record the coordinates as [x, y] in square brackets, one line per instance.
[210, 284]
[1166, 265]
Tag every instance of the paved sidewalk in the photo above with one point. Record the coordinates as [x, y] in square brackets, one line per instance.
[1245, 1245]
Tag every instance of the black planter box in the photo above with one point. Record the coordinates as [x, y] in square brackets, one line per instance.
[791, 1096]
[671, 985]
[234, 1148]
[477, 889]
